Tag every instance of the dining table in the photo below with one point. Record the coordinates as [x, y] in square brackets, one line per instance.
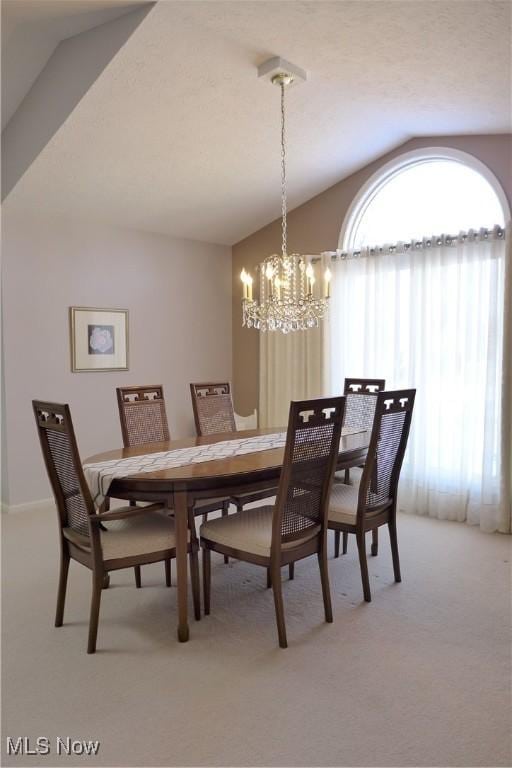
[180, 487]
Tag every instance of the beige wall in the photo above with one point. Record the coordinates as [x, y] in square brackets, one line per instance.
[178, 294]
[315, 226]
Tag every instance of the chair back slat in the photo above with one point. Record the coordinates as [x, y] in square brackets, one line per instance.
[213, 408]
[142, 414]
[390, 432]
[361, 398]
[62, 461]
[311, 452]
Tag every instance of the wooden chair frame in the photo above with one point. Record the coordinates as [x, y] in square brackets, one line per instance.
[371, 518]
[363, 386]
[223, 389]
[316, 545]
[355, 387]
[219, 391]
[138, 396]
[57, 417]
[213, 389]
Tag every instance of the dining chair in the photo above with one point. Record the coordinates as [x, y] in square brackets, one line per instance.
[101, 541]
[213, 408]
[361, 397]
[214, 414]
[295, 526]
[143, 417]
[142, 414]
[362, 508]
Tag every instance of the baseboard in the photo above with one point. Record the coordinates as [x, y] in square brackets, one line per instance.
[43, 505]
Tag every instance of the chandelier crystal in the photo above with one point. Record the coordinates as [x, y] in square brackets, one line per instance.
[289, 296]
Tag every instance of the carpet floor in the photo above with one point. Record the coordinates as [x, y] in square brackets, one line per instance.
[419, 677]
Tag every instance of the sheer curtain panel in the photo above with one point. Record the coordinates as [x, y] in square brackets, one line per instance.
[435, 315]
[291, 368]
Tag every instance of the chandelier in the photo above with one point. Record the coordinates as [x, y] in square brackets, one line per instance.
[290, 298]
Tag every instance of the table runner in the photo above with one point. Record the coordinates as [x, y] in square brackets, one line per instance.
[100, 475]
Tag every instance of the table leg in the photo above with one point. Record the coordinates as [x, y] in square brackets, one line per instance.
[180, 516]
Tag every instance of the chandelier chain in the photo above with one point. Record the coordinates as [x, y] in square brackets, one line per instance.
[284, 245]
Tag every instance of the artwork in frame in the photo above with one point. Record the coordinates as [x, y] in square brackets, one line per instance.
[99, 339]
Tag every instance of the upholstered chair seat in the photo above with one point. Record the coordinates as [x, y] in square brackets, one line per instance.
[343, 503]
[132, 536]
[249, 531]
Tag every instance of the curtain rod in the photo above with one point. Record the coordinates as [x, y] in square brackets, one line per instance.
[473, 235]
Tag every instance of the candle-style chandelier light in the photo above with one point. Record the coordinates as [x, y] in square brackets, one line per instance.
[290, 297]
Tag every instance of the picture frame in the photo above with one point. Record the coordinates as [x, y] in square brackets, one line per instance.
[99, 339]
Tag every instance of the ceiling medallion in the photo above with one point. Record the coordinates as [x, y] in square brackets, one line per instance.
[289, 296]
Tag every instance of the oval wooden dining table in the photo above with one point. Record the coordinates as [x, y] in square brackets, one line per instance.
[180, 487]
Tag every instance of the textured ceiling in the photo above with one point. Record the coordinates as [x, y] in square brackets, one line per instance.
[179, 136]
[32, 29]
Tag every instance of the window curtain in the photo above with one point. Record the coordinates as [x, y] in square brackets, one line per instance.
[291, 368]
[436, 315]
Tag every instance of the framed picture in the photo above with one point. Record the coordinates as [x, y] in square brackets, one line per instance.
[99, 339]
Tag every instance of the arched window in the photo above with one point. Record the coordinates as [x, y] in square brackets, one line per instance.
[421, 193]
[431, 317]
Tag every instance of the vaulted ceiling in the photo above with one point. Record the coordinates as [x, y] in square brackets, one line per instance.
[31, 31]
[177, 135]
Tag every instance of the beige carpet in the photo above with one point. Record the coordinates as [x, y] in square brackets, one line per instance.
[420, 677]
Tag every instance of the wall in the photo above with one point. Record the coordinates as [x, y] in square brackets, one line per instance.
[315, 227]
[178, 294]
